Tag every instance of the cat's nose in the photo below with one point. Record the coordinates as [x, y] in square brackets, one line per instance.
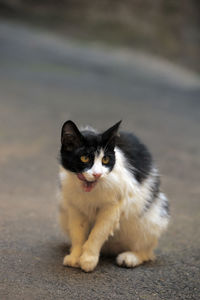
[97, 175]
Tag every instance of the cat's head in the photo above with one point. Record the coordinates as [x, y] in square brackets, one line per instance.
[87, 153]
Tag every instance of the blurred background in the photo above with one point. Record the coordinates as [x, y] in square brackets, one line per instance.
[170, 29]
[97, 62]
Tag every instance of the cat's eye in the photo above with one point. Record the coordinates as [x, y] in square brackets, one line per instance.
[84, 159]
[105, 160]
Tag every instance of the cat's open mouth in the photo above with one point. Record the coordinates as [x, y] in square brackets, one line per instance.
[87, 185]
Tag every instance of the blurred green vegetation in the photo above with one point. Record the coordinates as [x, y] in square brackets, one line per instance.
[167, 28]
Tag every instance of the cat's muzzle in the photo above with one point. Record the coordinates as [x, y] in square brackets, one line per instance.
[87, 185]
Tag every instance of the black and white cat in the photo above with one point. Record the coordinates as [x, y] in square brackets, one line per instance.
[110, 197]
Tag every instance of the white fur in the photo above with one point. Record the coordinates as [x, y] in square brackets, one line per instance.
[113, 215]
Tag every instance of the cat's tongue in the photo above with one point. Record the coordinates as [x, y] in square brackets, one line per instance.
[87, 185]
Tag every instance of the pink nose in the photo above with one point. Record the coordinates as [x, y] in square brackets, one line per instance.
[96, 175]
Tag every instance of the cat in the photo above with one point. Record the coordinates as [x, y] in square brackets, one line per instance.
[110, 197]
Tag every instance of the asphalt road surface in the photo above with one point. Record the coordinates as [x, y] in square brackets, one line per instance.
[45, 80]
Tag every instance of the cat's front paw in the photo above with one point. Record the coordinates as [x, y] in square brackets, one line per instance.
[88, 262]
[71, 261]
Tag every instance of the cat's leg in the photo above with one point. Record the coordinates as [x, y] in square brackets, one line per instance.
[106, 222]
[78, 230]
[140, 250]
[143, 233]
[142, 241]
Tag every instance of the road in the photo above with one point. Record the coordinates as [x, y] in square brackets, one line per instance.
[45, 80]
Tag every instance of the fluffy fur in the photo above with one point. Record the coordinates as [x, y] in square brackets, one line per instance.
[115, 208]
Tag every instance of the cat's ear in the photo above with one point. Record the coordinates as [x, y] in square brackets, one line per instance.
[71, 137]
[108, 137]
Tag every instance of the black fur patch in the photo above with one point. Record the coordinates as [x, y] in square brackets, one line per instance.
[137, 155]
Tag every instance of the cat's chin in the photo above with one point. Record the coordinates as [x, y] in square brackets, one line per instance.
[86, 185]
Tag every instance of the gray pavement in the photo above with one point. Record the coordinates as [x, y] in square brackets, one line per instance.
[45, 80]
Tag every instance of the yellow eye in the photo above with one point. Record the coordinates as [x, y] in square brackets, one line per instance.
[105, 160]
[84, 159]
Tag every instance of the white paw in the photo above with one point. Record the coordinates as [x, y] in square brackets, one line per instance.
[128, 259]
[88, 262]
[71, 261]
